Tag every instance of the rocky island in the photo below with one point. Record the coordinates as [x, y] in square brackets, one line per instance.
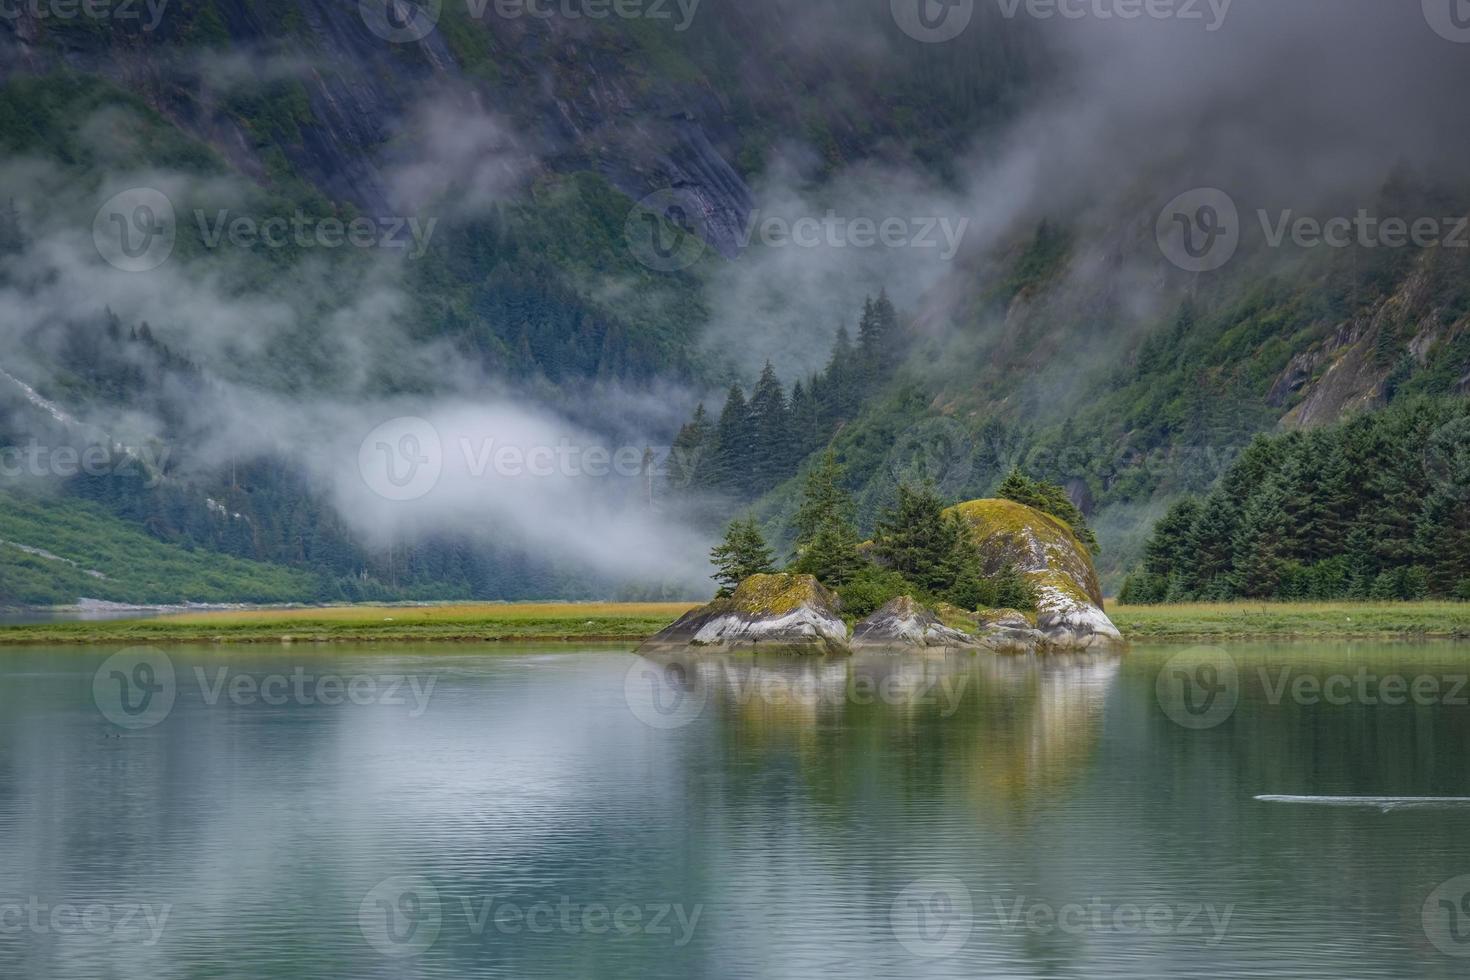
[792, 612]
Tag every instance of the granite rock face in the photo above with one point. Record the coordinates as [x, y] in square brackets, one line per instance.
[776, 613]
[1009, 631]
[905, 624]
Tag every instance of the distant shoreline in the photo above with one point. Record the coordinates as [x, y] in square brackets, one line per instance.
[635, 622]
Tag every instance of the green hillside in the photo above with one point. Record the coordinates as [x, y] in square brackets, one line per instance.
[56, 551]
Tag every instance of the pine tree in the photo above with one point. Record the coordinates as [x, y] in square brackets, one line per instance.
[1049, 499]
[1263, 543]
[826, 540]
[823, 499]
[878, 338]
[923, 544]
[770, 419]
[689, 460]
[742, 554]
[1212, 545]
[1167, 551]
[841, 390]
[730, 462]
[806, 421]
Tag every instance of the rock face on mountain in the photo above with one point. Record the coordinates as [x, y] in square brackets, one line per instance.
[769, 613]
[903, 623]
[1044, 549]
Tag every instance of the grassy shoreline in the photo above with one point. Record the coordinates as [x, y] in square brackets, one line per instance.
[460, 623]
[633, 622]
[1298, 620]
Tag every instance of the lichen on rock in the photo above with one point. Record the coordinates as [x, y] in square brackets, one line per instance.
[1058, 565]
[904, 623]
[777, 613]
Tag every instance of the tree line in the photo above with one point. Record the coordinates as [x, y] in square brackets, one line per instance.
[761, 440]
[1377, 507]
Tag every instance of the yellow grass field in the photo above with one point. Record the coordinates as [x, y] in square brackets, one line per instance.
[551, 621]
[632, 622]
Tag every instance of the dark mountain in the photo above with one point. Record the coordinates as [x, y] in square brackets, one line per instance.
[505, 285]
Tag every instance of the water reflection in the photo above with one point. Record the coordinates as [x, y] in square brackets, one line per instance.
[774, 812]
[1006, 730]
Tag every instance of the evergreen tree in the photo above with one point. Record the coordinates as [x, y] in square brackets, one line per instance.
[734, 445]
[1167, 552]
[689, 460]
[1049, 499]
[877, 339]
[841, 390]
[1376, 507]
[831, 555]
[742, 554]
[806, 421]
[1212, 545]
[770, 420]
[826, 540]
[1262, 543]
[931, 549]
[823, 499]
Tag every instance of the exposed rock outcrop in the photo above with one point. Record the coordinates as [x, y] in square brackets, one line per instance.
[775, 613]
[1044, 549]
[1009, 631]
[904, 623]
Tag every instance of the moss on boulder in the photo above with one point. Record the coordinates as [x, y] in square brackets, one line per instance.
[778, 613]
[1041, 546]
[1047, 552]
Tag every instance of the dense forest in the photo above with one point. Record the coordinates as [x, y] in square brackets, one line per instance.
[1376, 507]
[1018, 358]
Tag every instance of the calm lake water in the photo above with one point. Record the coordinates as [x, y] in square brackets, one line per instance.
[417, 812]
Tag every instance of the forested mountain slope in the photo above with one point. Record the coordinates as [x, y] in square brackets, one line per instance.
[1029, 315]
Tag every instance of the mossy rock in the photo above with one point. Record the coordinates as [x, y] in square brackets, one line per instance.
[770, 613]
[778, 595]
[1036, 544]
[956, 618]
[1014, 618]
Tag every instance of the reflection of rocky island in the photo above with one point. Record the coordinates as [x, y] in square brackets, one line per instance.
[1011, 730]
[795, 613]
[1050, 739]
